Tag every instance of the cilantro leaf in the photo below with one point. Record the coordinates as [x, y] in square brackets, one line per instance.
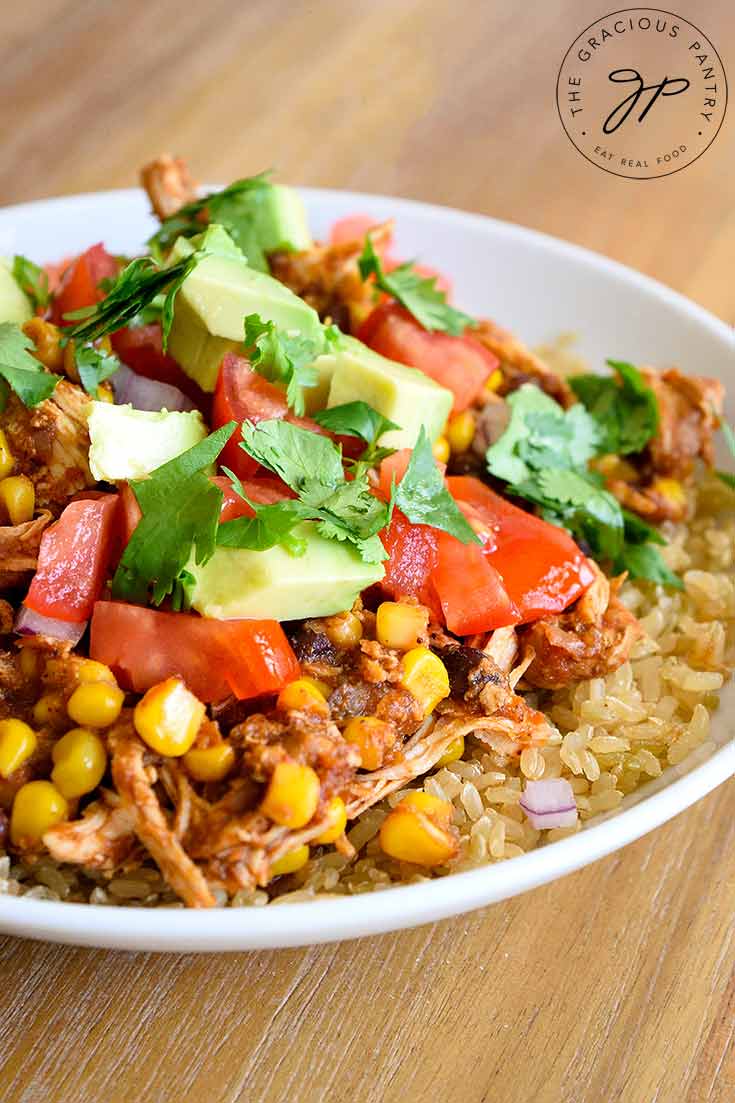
[424, 499]
[94, 366]
[418, 294]
[541, 434]
[726, 477]
[296, 455]
[625, 409]
[180, 514]
[282, 357]
[19, 370]
[32, 280]
[271, 525]
[235, 207]
[137, 287]
[355, 419]
[312, 466]
[543, 456]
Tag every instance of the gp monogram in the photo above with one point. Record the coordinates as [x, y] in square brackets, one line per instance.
[641, 93]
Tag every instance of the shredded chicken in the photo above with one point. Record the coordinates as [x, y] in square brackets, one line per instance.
[149, 821]
[102, 839]
[50, 444]
[168, 183]
[19, 549]
[519, 365]
[589, 640]
[328, 278]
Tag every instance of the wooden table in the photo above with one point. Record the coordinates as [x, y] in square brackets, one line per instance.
[617, 983]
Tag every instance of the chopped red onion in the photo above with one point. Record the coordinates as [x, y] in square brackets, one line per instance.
[28, 623]
[147, 394]
[549, 803]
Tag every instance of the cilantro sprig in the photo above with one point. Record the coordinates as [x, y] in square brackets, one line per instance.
[94, 366]
[137, 287]
[422, 496]
[20, 371]
[418, 294]
[234, 207]
[359, 419]
[543, 456]
[625, 409]
[32, 280]
[180, 513]
[282, 357]
[311, 465]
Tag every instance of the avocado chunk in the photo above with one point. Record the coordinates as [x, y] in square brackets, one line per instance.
[214, 300]
[236, 583]
[14, 303]
[405, 395]
[280, 220]
[128, 444]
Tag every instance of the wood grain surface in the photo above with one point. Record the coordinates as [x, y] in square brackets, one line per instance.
[614, 984]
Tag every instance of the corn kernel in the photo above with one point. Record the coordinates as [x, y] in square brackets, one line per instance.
[28, 661]
[371, 737]
[292, 796]
[95, 704]
[168, 717]
[336, 821]
[671, 490]
[418, 830]
[38, 805]
[440, 448]
[291, 862]
[425, 676]
[47, 339]
[49, 710]
[105, 393]
[210, 763]
[304, 694]
[17, 744]
[344, 630]
[453, 753]
[401, 626]
[80, 761]
[461, 431]
[494, 381]
[18, 496]
[90, 671]
[7, 461]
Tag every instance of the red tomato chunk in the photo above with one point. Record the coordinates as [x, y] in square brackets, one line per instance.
[73, 560]
[216, 658]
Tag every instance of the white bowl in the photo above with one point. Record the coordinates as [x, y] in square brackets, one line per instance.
[537, 286]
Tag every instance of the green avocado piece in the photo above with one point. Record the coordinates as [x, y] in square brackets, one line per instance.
[280, 220]
[128, 444]
[405, 395]
[236, 583]
[214, 300]
[14, 303]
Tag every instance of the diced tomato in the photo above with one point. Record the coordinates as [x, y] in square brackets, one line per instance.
[73, 560]
[241, 395]
[80, 283]
[470, 589]
[412, 551]
[354, 227]
[214, 657]
[543, 570]
[461, 364]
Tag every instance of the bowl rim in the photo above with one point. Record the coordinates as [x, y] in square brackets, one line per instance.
[334, 918]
